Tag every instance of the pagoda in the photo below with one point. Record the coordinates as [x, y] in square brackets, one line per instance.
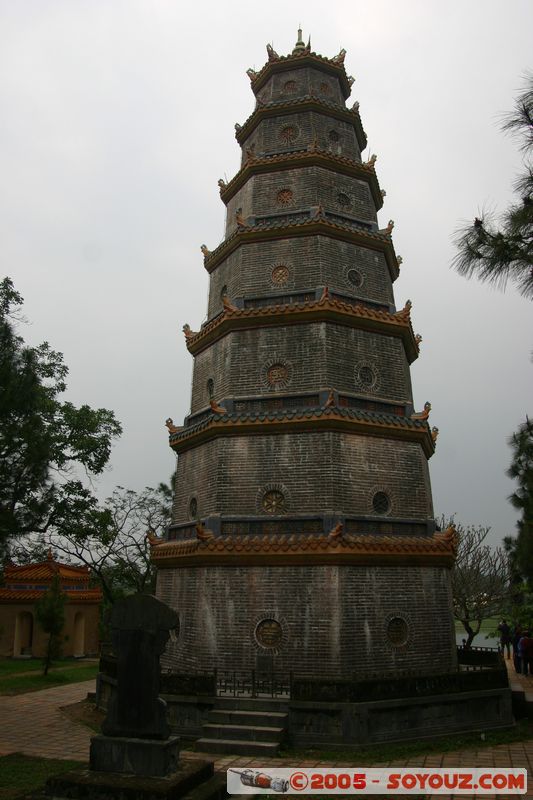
[303, 537]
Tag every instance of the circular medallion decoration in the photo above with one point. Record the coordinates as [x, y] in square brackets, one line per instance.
[334, 136]
[366, 375]
[273, 499]
[280, 275]
[289, 87]
[289, 134]
[344, 200]
[381, 503]
[284, 197]
[193, 508]
[277, 374]
[325, 88]
[268, 633]
[210, 388]
[273, 502]
[397, 631]
[355, 278]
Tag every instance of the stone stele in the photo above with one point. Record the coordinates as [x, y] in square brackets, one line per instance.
[136, 734]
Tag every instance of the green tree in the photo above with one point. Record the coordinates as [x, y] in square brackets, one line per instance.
[42, 437]
[50, 614]
[480, 579]
[111, 540]
[521, 470]
[498, 252]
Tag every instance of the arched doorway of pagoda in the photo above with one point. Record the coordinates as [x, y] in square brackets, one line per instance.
[79, 634]
[23, 643]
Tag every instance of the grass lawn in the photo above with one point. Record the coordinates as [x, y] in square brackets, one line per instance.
[15, 680]
[10, 666]
[19, 773]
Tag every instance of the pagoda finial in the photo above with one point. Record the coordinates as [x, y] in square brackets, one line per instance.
[299, 47]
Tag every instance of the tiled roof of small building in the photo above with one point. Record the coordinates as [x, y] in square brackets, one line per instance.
[31, 595]
[45, 570]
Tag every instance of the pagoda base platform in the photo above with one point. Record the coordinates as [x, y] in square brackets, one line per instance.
[340, 713]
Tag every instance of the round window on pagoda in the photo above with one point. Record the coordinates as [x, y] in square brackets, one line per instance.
[381, 503]
[366, 376]
[277, 375]
[269, 634]
[397, 631]
[344, 200]
[284, 197]
[289, 134]
[334, 136]
[273, 502]
[193, 508]
[355, 277]
[289, 87]
[280, 275]
[210, 388]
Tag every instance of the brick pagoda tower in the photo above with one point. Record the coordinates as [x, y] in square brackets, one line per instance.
[303, 535]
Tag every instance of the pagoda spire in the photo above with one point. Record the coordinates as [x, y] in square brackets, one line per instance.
[299, 47]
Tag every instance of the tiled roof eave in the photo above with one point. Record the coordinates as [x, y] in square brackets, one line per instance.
[305, 158]
[311, 227]
[312, 420]
[297, 106]
[398, 325]
[32, 595]
[390, 550]
[304, 59]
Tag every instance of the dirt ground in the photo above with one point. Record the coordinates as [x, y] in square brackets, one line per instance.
[86, 713]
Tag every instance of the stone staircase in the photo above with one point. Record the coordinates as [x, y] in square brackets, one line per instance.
[244, 727]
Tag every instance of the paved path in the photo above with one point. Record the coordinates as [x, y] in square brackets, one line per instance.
[32, 723]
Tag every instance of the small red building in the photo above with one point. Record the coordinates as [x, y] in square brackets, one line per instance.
[20, 634]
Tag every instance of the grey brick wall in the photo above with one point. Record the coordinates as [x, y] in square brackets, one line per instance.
[317, 355]
[312, 261]
[292, 84]
[319, 472]
[334, 135]
[334, 618]
[310, 186]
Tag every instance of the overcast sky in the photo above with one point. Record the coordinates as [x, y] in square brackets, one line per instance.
[117, 119]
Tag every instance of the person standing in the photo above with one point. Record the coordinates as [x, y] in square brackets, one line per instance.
[505, 637]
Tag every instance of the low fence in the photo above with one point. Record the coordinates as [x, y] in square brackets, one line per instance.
[479, 669]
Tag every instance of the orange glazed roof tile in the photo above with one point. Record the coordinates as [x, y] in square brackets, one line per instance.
[306, 103]
[301, 58]
[45, 570]
[30, 595]
[398, 324]
[311, 156]
[307, 226]
[301, 548]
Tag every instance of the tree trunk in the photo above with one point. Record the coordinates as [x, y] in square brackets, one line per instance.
[47, 658]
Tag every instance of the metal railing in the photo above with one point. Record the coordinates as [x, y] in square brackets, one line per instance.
[252, 683]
